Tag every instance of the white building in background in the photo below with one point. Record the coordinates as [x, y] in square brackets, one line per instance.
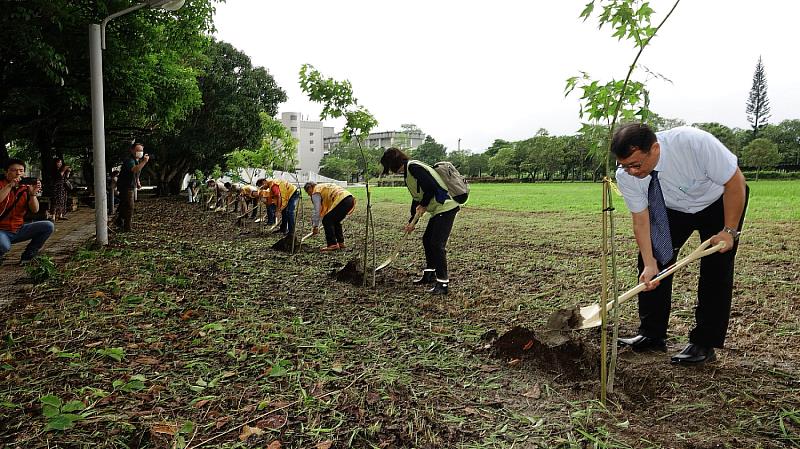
[309, 135]
[384, 139]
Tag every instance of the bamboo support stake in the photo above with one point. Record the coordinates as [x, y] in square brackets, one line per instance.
[604, 298]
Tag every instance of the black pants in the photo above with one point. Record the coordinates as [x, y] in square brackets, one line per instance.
[715, 287]
[435, 242]
[124, 217]
[332, 221]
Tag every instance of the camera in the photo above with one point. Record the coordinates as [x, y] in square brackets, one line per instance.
[28, 181]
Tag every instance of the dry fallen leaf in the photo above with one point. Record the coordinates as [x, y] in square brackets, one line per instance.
[221, 421]
[188, 314]
[146, 360]
[324, 444]
[248, 431]
[274, 445]
[533, 393]
[274, 421]
[99, 294]
[165, 428]
[514, 362]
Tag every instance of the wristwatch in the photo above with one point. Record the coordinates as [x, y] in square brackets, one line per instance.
[732, 232]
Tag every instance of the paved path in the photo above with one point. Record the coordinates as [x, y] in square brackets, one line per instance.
[70, 234]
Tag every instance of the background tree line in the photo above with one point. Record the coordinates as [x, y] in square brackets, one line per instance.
[190, 99]
[553, 158]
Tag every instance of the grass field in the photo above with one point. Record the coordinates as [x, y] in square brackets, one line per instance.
[770, 200]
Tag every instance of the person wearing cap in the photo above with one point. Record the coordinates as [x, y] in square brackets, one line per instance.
[428, 196]
[332, 204]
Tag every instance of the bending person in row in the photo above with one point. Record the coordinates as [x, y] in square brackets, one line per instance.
[332, 204]
[268, 193]
[285, 196]
[429, 195]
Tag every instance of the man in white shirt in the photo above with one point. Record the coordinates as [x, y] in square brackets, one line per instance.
[703, 190]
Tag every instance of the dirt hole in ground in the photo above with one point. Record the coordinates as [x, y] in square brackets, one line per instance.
[352, 272]
[564, 353]
[285, 244]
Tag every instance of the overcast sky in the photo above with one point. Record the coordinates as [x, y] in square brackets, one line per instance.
[480, 71]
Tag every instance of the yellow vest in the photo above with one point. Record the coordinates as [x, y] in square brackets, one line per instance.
[331, 195]
[248, 190]
[287, 190]
[434, 207]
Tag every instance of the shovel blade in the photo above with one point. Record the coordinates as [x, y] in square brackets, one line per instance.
[386, 263]
[590, 316]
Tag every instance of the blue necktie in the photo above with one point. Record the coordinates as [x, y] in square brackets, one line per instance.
[659, 223]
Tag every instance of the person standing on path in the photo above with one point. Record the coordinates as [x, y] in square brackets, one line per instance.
[17, 197]
[332, 204]
[676, 182]
[58, 200]
[428, 195]
[132, 165]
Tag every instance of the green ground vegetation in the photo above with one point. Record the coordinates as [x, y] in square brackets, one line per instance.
[770, 200]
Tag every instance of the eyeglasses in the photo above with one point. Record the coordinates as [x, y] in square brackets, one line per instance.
[627, 167]
[635, 165]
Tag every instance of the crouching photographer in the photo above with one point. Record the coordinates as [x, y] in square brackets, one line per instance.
[17, 197]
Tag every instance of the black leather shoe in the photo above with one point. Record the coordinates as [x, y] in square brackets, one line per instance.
[640, 343]
[428, 277]
[440, 288]
[694, 354]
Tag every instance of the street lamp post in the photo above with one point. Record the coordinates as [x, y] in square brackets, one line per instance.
[96, 45]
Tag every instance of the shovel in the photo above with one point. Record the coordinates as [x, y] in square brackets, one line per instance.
[391, 259]
[590, 315]
[306, 237]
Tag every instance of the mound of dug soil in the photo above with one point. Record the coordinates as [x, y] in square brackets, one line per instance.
[559, 352]
[285, 244]
[352, 272]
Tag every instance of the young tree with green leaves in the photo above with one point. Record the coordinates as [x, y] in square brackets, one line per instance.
[758, 110]
[604, 104]
[338, 101]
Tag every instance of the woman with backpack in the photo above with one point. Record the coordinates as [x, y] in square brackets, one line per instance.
[429, 194]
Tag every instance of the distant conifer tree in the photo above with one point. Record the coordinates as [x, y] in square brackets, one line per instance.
[758, 111]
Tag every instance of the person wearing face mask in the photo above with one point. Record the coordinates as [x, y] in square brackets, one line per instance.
[132, 165]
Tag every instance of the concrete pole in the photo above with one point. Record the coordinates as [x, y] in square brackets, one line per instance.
[98, 135]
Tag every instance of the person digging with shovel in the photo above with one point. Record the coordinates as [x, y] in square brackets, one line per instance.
[332, 204]
[676, 182]
[428, 195]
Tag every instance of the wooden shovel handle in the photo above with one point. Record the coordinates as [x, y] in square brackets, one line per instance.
[701, 251]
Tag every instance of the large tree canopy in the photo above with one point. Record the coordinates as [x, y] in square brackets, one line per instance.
[150, 68]
[234, 95]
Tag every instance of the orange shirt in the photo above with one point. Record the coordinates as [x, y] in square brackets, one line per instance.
[14, 219]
